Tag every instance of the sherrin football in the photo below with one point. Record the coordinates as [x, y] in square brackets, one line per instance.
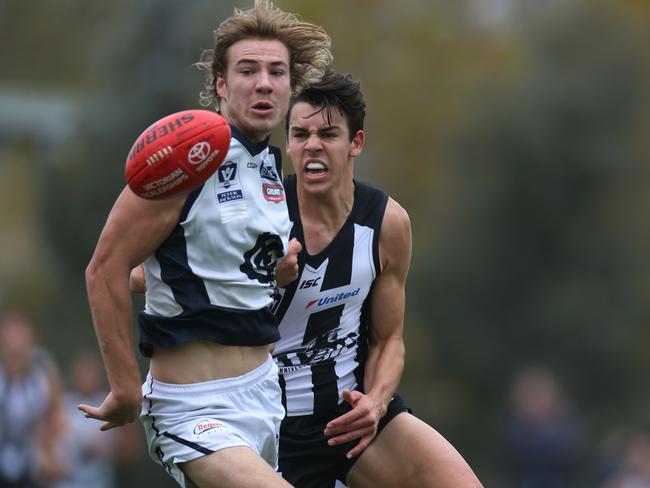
[177, 154]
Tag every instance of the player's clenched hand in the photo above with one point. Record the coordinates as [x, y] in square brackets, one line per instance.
[137, 282]
[114, 413]
[286, 270]
[359, 423]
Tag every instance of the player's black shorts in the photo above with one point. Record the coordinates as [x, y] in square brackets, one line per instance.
[306, 461]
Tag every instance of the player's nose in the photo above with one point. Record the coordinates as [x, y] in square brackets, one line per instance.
[313, 143]
[264, 82]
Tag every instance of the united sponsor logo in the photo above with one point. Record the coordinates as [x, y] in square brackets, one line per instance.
[333, 298]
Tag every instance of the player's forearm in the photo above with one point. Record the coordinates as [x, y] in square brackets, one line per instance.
[110, 303]
[384, 370]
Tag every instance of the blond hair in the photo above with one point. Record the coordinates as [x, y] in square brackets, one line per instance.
[309, 46]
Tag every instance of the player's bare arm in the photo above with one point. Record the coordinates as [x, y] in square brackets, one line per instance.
[386, 352]
[134, 229]
[386, 355]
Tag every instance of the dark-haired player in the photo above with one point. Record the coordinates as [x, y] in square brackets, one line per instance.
[341, 352]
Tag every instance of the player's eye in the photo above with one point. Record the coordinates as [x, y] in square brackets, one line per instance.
[299, 135]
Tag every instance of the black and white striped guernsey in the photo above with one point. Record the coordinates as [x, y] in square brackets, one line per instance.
[213, 278]
[323, 315]
[24, 400]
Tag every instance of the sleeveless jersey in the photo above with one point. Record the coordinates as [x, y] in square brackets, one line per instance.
[213, 277]
[323, 315]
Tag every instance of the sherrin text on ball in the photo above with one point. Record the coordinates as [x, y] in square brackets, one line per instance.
[177, 153]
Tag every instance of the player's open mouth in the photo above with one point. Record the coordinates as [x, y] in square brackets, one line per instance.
[262, 108]
[315, 169]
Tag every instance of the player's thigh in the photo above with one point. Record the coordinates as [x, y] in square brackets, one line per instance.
[410, 453]
[233, 467]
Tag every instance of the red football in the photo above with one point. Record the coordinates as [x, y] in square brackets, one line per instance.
[177, 153]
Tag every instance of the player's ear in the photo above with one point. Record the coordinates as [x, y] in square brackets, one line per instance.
[356, 145]
[220, 86]
[287, 143]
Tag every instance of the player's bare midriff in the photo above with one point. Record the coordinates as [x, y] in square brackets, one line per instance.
[198, 361]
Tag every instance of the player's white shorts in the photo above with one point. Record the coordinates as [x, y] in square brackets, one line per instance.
[184, 422]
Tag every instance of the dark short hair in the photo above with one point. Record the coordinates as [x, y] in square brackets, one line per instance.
[335, 90]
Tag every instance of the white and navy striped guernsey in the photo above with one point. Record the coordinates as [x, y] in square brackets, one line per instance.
[213, 278]
[323, 315]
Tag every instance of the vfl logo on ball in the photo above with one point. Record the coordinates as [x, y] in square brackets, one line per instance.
[198, 152]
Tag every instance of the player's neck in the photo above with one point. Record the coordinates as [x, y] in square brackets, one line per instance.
[333, 205]
[323, 214]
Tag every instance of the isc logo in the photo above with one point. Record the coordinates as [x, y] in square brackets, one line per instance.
[309, 283]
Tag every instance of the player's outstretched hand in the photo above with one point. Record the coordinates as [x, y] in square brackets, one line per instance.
[286, 270]
[114, 413]
[359, 423]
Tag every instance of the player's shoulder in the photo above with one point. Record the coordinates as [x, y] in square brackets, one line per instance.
[396, 218]
[237, 148]
[369, 204]
[395, 236]
[367, 191]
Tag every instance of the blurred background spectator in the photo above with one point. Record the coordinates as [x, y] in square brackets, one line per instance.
[31, 424]
[544, 437]
[629, 462]
[90, 456]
